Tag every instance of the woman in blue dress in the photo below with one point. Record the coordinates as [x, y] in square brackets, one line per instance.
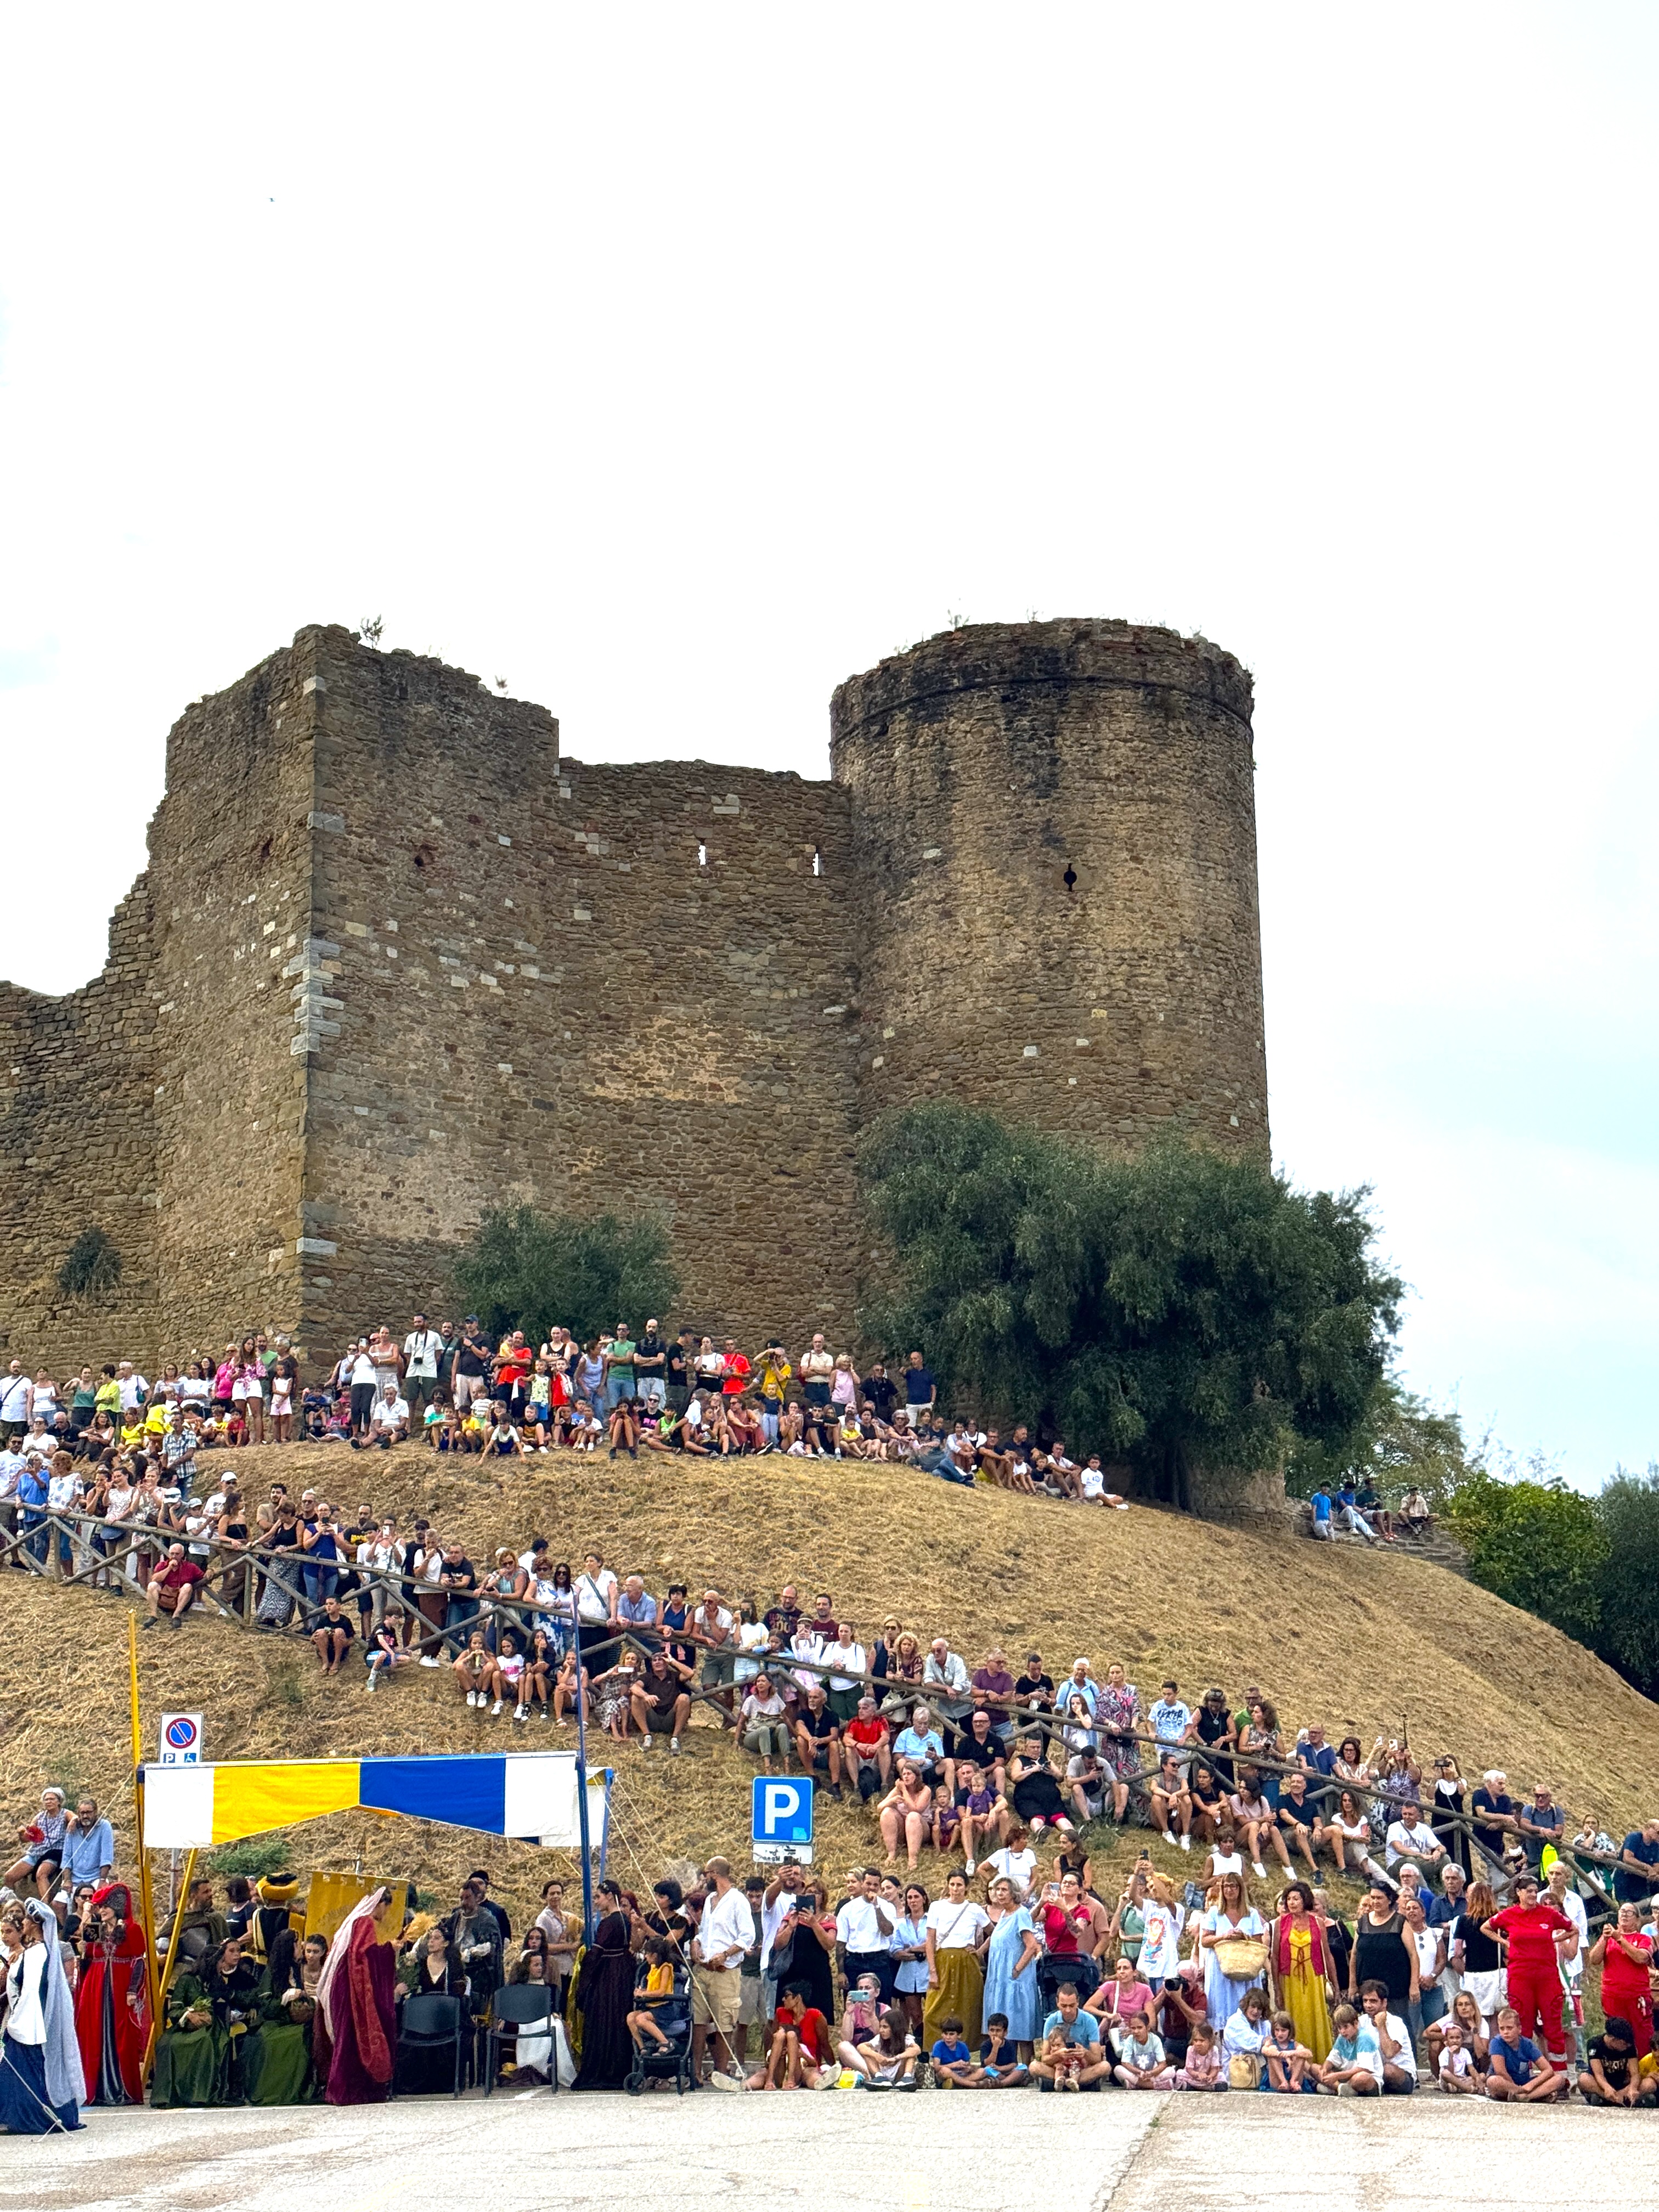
[1010, 1982]
[1232, 1916]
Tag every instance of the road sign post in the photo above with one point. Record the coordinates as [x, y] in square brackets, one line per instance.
[783, 1821]
[181, 1740]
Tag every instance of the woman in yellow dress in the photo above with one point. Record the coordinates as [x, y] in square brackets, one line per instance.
[1303, 1980]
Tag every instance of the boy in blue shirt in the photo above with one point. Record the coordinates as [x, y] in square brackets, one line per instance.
[952, 2060]
[1520, 2071]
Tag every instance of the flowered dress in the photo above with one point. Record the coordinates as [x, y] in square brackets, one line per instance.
[1118, 1708]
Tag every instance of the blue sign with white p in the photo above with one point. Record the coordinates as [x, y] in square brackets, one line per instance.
[783, 1810]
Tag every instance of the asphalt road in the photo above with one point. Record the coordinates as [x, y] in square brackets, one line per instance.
[938, 2152]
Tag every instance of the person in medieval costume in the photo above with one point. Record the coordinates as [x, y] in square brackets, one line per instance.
[355, 2029]
[42, 2086]
[112, 1999]
[273, 1913]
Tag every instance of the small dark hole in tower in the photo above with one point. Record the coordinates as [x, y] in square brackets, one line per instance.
[1070, 878]
[424, 856]
[264, 850]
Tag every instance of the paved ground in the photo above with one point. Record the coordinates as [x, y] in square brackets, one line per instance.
[938, 2152]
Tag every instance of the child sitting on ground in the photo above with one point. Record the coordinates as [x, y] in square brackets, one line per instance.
[952, 2060]
[1459, 2075]
[999, 2066]
[1202, 2066]
[1064, 2058]
[1287, 2060]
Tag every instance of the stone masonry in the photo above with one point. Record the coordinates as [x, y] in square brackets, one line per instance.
[393, 959]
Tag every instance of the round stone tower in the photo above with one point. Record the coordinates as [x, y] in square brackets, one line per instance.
[1054, 831]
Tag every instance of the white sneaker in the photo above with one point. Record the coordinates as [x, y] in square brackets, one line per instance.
[674, 1745]
[371, 1684]
[494, 1709]
[645, 1745]
[427, 1660]
[546, 1716]
[521, 1712]
[971, 1869]
[473, 1697]
[1186, 1843]
[1258, 1869]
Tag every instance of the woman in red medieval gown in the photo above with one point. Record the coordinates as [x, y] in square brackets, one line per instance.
[355, 2032]
[112, 1999]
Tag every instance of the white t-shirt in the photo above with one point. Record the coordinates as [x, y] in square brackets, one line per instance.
[420, 1350]
[1403, 1841]
[388, 1414]
[594, 1594]
[1459, 2063]
[1018, 1866]
[845, 1655]
[362, 1371]
[1094, 1482]
[1160, 1945]
[956, 1926]
[860, 1925]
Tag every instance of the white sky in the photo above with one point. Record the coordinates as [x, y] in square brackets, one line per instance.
[674, 363]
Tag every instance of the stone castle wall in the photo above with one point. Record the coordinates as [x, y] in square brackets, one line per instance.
[396, 959]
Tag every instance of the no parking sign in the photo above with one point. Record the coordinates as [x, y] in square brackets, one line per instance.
[181, 1740]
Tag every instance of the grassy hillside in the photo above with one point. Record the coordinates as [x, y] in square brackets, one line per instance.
[1354, 1638]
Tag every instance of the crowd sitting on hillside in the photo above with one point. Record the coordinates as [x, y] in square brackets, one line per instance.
[773, 1983]
[463, 1391]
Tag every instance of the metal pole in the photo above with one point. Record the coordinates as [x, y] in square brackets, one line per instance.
[581, 1782]
[179, 1899]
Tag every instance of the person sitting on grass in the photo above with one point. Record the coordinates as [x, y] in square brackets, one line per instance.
[652, 1995]
[1142, 2061]
[330, 1631]
[477, 1672]
[802, 2044]
[1072, 2056]
[382, 1653]
[1613, 2071]
[1354, 2065]
[1521, 2074]
[660, 1703]
[172, 1586]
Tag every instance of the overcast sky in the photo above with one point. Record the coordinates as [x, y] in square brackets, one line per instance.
[674, 362]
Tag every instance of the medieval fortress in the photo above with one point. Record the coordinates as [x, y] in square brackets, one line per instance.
[395, 959]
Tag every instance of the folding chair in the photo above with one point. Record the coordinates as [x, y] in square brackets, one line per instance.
[527, 2008]
[430, 2020]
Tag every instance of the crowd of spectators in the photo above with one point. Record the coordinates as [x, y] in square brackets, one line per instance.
[1029, 1976]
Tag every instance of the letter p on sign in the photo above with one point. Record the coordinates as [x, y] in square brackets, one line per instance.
[782, 1818]
[782, 1805]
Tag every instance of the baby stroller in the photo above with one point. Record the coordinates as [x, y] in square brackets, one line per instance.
[672, 2061]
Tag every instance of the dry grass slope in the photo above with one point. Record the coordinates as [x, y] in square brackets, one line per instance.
[1355, 1638]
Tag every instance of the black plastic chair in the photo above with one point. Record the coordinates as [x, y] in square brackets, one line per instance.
[527, 2008]
[431, 2019]
[673, 2063]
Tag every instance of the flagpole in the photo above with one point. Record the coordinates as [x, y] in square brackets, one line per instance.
[146, 1902]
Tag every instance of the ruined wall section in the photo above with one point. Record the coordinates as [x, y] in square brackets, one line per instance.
[1056, 832]
[543, 993]
[231, 858]
[77, 1151]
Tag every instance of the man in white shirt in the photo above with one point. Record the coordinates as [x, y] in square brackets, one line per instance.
[1410, 1839]
[388, 1423]
[422, 1349]
[16, 1401]
[864, 1928]
[947, 1670]
[133, 1387]
[725, 1932]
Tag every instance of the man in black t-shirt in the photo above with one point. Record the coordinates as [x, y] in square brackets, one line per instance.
[920, 1388]
[651, 1366]
[880, 1388]
[472, 1357]
[661, 1703]
[677, 1369]
[817, 1738]
[457, 1581]
[1033, 1689]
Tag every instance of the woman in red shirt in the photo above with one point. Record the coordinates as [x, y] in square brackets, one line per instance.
[1534, 1933]
[1624, 1955]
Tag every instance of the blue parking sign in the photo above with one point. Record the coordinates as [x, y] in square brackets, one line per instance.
[783, 1820]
